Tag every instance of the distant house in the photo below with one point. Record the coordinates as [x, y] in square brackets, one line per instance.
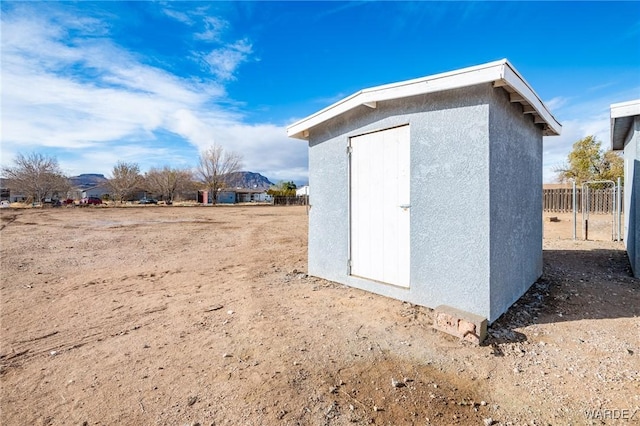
[236, 195]
[12, 196]
[625, 136]
[97, 191]
[429, 190]
[6, 194]
[302, 191]
[252, 196]
[226, 197]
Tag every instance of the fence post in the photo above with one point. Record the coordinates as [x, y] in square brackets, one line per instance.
[575, 212]
[306, 199]
[585, 209]
[619, 207]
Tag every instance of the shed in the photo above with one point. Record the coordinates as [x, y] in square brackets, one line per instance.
[625, 136]
[429, 190]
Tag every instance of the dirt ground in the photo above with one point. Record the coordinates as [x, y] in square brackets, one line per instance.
[205, 316]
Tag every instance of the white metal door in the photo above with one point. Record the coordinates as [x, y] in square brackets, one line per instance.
[380, 206]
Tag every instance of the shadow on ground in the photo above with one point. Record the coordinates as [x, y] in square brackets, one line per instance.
[575, 285]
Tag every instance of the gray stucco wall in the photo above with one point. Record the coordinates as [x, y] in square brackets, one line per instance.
[516, 194]
[631, 195]
[452, 164]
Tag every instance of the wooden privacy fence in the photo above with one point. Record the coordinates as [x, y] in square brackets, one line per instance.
[559, 200]
[279, 200]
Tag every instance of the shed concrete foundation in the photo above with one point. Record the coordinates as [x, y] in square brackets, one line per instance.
[466, 326]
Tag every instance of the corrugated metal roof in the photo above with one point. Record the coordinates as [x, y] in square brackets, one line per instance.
[622, 116]
[500, 73]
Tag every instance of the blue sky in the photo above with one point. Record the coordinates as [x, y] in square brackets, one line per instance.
[154, 83]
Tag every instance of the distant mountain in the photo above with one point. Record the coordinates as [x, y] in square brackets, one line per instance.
[248, 180]
[88, 180]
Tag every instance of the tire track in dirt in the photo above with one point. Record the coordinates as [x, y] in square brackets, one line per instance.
[57, 342]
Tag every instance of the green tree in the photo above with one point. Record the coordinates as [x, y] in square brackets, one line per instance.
[282, 188]
[588, 161]
[613, 165]
[37, 176]
[215, 167]
[125, 178]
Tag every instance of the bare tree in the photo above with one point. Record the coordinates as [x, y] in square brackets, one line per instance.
[168, 181]
[125, 178]
[214, 168]
[36, 176]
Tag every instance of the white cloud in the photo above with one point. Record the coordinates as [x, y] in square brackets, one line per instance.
[557, 148]
[178, 16]
[556, 102]
[265, 147]
[213, 29]
[224, 62]
[579, 118]
[94, 103]
[600, 86]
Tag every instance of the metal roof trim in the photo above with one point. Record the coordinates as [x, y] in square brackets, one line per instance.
[499, 72]
[622, 114]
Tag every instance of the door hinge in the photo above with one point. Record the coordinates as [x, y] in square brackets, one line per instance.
[349, 267]
[349, 149]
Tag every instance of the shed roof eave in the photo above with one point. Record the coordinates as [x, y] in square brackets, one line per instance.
[622, 115]
[516, 82]
[501, 73]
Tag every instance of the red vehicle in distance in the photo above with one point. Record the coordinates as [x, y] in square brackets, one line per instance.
[91, 200]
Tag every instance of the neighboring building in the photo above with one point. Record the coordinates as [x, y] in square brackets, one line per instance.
[429, 190]
[302, 191]
[625, 135]
[14, 196]
[7, 194]
[240, 195]
[97, 191]
[244, 195]
[204, 197]
[226, 197]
